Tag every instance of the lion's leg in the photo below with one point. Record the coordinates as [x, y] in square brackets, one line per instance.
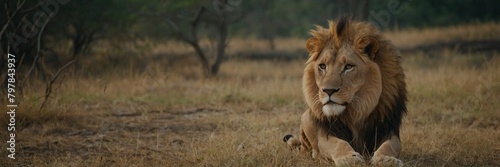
[307, 141]
[308, 135]
[339, 151]
[387, 153]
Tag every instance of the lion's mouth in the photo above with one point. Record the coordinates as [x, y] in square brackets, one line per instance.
[335, 103]
[332, 108]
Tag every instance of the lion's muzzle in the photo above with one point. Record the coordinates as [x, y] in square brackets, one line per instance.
[332, 105]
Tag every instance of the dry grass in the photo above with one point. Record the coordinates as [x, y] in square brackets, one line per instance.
[170, 116]
[236, 46]
[471, 32]
[407, 38]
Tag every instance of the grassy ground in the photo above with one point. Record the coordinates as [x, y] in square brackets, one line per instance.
[162, 113]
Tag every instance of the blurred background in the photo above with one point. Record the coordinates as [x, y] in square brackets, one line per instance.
[217, 82]
[60, 31]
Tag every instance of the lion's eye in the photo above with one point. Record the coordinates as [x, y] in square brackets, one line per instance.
[322, 66]
[348, 67]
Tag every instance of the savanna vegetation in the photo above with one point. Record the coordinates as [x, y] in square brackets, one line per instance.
[218, 83]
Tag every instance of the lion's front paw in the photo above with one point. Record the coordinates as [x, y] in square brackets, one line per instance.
[383, 160]
[353, 159]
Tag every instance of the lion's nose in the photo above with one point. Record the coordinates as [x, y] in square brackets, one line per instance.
[331, 91]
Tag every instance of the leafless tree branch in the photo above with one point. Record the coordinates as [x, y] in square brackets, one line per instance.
[37, 55]
[20, 4]
[48, 86]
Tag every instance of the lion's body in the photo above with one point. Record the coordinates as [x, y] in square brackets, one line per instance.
[355, 88]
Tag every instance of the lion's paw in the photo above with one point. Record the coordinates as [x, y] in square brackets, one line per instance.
[354, 159]
[386, 161]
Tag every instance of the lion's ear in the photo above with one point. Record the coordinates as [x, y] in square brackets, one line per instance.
[369, 46]
[311, 43]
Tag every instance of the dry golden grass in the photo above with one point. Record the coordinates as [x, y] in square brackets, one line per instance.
[152, 114]
[471, 32]
[407, 38]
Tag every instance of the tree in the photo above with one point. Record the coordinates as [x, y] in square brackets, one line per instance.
[187, 29]
[22, 30]
[84, 22]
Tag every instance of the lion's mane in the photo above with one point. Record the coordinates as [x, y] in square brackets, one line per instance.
[374, 126]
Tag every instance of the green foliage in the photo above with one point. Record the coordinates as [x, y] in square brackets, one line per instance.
[96, 19]
[425, 13]
[259, 18]
[105, 17]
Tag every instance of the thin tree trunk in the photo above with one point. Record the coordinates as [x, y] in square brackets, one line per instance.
[193, 40]
[78, 40]
[272, 44]
[221, 47]
[366, 8]
[201, 56]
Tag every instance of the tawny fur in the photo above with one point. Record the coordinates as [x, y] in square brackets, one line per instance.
[368, 121]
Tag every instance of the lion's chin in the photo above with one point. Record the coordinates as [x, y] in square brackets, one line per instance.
[333, 109]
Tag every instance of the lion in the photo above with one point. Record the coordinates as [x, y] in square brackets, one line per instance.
[355, 90]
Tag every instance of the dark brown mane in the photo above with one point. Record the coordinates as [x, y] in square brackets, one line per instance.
[375, 130]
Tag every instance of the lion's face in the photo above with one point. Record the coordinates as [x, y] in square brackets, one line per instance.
[339, 76]
[342, 75]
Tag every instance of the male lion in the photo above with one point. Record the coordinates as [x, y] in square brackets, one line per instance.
[355, 89]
